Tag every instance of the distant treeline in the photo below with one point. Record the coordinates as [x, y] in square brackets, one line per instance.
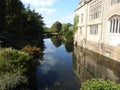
[58, 27]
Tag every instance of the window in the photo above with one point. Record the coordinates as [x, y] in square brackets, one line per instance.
[115, 24]
[81, 18]
[94, 29]
[114, 2]
[95, 10]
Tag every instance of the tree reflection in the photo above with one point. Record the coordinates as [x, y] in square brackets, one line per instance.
[57, 41]
[69, 47]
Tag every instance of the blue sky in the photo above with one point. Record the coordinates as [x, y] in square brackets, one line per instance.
[54, 10]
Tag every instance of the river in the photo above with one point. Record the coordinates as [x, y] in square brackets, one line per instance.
[62, 69]
[55, 71]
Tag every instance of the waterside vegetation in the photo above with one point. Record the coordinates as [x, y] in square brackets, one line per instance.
[21, 29]
[14, 67]
[99, 84]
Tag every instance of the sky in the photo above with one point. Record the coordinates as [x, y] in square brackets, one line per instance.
[54, 10]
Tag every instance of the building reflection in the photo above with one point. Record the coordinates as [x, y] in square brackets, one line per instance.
[88, 65]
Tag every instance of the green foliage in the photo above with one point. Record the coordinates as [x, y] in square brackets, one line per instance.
[69, 36]
[66, 27]
[33, 24]
[14, 60]
[13, 15]
[46, 29]
[76, 20]
[17, 22]
[13, 65]
[99, 84]
[56, 27]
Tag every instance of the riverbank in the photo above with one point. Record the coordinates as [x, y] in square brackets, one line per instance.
[18, 68]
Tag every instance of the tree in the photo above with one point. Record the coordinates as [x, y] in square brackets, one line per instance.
[13, 15]
[66, 27]
[46, 29]
[33, 24]
[56, 27]
[2, 15]
[18, 22]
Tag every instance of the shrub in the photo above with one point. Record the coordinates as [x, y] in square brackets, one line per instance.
[10, 80]
[99, 84]
[13, 65]
[14, 60]
[34, 51]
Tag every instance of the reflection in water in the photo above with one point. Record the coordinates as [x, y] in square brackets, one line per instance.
[69, 47]
[55, 71]
[57, 41]
[88, 65]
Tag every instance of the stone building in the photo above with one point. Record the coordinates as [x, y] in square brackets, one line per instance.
[98, 28]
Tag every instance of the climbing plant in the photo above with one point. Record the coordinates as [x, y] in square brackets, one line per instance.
[76, 20]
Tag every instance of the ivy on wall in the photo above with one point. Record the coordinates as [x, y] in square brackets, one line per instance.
[76, 20]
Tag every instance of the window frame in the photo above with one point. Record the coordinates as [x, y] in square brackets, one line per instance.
[114, 25]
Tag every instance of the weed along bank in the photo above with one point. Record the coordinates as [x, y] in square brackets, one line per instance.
[98, 26]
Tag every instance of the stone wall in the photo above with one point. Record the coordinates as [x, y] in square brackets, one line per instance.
[112, 52]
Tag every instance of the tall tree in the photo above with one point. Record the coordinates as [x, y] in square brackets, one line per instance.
[33, 23]
[13, 15]
[2, 16]
[56, 27]
[66, 27]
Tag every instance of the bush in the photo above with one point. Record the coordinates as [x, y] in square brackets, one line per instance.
[13, 65]
[34, 51]
[9, 81]
[14, 60]
[99, 84]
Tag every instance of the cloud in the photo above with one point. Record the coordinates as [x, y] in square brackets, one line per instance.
[37, 3]
[48, 63]
[45, 10]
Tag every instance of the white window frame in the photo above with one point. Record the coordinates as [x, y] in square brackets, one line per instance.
[94, 30]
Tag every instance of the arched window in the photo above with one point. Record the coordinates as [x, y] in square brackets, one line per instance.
[114, 2]
[115, 24]
[111, 21]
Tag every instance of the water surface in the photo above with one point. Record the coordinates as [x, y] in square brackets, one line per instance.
[88, 65]
[63, 69]
[55, 71]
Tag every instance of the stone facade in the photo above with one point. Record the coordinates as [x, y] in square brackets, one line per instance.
[99, 26]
